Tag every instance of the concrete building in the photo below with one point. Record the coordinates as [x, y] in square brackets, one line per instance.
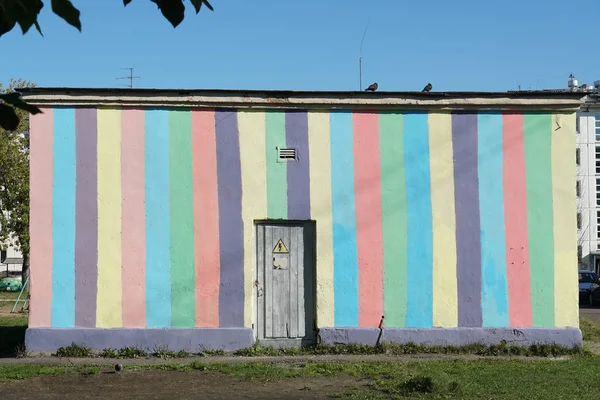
[188, 218]
[587, 158]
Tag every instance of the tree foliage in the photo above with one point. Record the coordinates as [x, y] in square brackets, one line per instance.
[14, 180]
[25, 14]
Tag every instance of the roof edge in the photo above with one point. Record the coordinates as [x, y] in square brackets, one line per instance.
[216, 98]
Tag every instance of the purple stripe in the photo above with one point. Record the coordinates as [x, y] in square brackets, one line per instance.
[468, 240]
[298, 172]
[86, 217]
[231, 239]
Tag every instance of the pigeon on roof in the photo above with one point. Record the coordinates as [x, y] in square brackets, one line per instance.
[427, 88]
[372, 87]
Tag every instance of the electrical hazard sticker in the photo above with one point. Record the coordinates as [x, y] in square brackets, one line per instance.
[280, 248]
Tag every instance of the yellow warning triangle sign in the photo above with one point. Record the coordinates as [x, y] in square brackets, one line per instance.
[280, 247]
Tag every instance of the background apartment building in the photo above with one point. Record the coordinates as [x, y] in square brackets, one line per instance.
[587, 158]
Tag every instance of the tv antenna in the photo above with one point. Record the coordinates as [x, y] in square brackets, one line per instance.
[130, 77]
[360, 56]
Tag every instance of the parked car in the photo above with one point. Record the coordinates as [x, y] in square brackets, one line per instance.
[589, 288]
[10, 285]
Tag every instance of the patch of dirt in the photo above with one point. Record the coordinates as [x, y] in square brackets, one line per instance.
[173, 385]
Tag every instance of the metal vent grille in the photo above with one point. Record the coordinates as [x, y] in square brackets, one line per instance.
[287, 154]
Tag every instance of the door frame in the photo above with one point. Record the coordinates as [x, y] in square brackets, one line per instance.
[310, 265]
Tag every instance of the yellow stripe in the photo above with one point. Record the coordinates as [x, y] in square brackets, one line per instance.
[566, 309]
[109, 309]
[445, 294]
[320, 209]
[251, 125]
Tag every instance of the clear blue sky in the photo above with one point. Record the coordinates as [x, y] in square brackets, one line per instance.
[314, 45]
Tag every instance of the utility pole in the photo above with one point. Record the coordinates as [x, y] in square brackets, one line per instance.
[130, 77]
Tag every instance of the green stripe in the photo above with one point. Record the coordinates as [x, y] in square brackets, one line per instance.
[182, 220]
[276, 171]
[393, 202]
[538, 163]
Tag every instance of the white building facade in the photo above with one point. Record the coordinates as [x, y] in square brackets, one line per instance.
[587, 158]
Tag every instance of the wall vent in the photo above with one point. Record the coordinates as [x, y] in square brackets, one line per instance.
[286, 154]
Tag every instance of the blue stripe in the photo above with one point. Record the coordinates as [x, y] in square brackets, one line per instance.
[158, 274]
[345, 256]
[419, 285]
[63, 219]
[494, 290]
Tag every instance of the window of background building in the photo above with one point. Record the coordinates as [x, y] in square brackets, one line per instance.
[597, 118]
[598, 191]
[577, 157]
[578, 220]
[578, 188]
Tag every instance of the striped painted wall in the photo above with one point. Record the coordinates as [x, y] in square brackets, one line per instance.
[144, 217]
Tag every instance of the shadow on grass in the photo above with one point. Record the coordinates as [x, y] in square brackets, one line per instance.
[12, 332]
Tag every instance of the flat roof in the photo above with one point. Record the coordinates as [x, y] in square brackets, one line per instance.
[214, 98]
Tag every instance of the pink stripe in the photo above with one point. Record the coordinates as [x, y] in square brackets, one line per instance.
[515, 214]
[369, 234]
[133, 219]
[40, 220]
[206, 218]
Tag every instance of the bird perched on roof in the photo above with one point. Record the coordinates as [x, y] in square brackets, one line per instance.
[372, 87]
[427, 88]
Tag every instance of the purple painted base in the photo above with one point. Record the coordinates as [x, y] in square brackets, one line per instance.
[192, 340]
[568, 337]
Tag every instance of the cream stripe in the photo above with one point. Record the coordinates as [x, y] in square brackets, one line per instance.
[251, 126]
[320, 209]
[109, 306]
[445, 294]
[566, 309]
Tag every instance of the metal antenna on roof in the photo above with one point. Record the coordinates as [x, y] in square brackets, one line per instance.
[360, 56]
[130, 77]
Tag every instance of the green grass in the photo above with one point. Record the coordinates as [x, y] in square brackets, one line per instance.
[589, 330]
[13, 296]
[502, 349]
[74, 350]
[460, 379]
[165, 353]
[13, 326]
[14, 372]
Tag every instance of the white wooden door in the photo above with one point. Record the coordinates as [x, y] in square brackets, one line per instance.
[284, 284]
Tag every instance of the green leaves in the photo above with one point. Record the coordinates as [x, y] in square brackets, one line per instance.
[174, 10]
[8, 117]
[14, 99]
[67, 11]
[22, 12]
[14, 166]
[198, 4]
[25, 12]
